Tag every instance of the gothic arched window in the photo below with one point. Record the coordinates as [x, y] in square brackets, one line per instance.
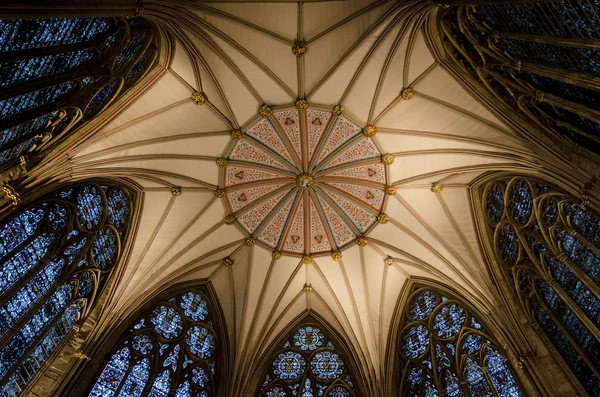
[57, 254]
[542, 59]
[171, 350]
[548, 245]
[445, 351]
[309, 364]
[56, 74]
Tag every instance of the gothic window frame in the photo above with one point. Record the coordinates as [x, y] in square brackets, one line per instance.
[399, 369]
[111, 339]
[266, 380]
[538, 254]
[527, 88]
[76, 252]
[91, 87]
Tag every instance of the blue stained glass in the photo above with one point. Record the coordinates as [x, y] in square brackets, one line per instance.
[103, 97]
[27, 296]
[30, 127]
[130, 53]
[520, 203]
[415, 341]
[35, 99]
[172, 358]
[118, 208]
[581, 255]
[57, 216]
[289, 365]
[112, 375]
[308, 338]
[339, 391]
[142, 344]
[502, 379]
[162, 385]
[105, 248]
[183, 390]
[276, 391]
[19, 229]
[200, 376]
[140, 67]
[495, 203]
[89, 207]
[20, 264]
[327, 365]
[166, 321]
[136, 380]
[449, 320]
[508, 245]
[451, 384]
[476, 380]
[585, 223]
[73, 250]
[201, 342]
[28, 34]
[32, 329]
[24, 70]
[194, 306]
[307, 391]
[472, 343]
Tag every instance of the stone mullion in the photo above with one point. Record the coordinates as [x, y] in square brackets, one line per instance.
[566, 76]
[587, 43]
[486, 375]
[581, 110]
[39, 9]
[567, 335]
[455, 3]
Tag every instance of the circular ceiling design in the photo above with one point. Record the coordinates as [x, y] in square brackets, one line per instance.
[304, 180]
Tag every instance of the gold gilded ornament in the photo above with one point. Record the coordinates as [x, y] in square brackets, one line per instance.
[305, 181]
[229, 219]
[82, 356]
[228, 262]
[236, 134]
[362, 241]
[11, 194]
[339, 110]
[308, 288]
[369, 131]
[265, 111]
[221, 162]
[299, 49]
[306, 259]
[176, 191]
[250, 241]
[437, 187]
[387, 159]
[301, 104]
[408, 94]
[390, 190]
[198, 98]
[276, 255]
[220, 193]
[389, 261]
[383, 218]
[336, 256]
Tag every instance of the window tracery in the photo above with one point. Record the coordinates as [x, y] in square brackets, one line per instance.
[542, 59]
[548, 245]
[56, 256]
[308, 365]
[56, 74]
[445, 351]
[172, 350]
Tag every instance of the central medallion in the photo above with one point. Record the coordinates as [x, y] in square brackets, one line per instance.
[304, 180]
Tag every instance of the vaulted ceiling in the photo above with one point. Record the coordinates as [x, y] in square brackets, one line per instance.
[360, 54]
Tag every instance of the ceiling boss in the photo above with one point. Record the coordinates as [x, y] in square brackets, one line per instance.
[304, 180]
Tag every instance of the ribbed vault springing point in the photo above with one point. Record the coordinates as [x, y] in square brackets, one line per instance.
[305, 180]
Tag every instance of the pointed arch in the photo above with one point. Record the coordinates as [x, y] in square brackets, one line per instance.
[58, 74]
[546, 244]
[175, 344]
[442, 346]
[58, 253]
[308, 359]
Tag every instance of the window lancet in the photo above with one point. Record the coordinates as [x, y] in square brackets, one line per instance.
[308, 365]
[548, 245]
[56, 256]
[171, 350]
[537, 58]
[56, 74]
[445, 351]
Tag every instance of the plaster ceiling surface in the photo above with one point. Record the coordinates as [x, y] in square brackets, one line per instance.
[361, 55]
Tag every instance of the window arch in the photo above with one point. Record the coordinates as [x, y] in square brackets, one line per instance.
[57, 255]
[172, 349]
[444, 350]
[548, 246]
[56, 74]
[308, 364]
[539, 58]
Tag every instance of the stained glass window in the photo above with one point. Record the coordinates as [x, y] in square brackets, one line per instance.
[309, 364]
[548, 245]
[536, 57]
[445, 351]
[172, 350]
[56, 74]
[52, 272]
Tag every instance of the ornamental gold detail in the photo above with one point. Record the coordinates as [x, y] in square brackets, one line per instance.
[11, 194]
[237, 134]
[301, 104]
[229, 219]
[389, 261]
[198, 98]
[339, 110]
[299, 49]
[228, 262]
[362, 241]
[250, 241]
[221, 162]
[336, 256]
[308, 288]
[265, 111]
[306, 259]
[176, 191]
[276, 255]
[305, 181]
[219, 193]
[383, 218]
[369, 131]
[408, 94]
[387, 159]
[437, 188]
[390, 190]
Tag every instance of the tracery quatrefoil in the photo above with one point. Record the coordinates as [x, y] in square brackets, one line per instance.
[304, 181]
